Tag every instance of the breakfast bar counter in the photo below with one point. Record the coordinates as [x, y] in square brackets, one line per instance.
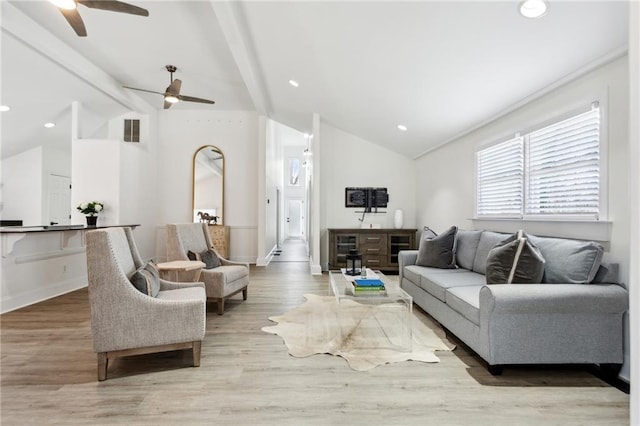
[41, 262]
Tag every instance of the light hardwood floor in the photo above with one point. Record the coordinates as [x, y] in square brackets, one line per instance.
[246, 377]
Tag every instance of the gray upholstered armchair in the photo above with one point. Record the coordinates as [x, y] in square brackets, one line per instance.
[220, 283]
[124, 321]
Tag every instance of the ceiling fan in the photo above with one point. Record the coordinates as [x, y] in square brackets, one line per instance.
[69, 9]
[172, 93]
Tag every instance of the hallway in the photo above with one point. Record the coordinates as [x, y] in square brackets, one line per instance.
[292, 250]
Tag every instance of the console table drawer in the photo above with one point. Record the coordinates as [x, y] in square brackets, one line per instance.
[374, 242]
[374, 261]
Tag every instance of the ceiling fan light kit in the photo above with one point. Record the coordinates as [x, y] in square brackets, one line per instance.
[68, 8]
[172, 93]
[64, 4]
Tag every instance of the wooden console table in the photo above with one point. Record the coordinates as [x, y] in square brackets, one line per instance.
[379, 247]
[219, 235]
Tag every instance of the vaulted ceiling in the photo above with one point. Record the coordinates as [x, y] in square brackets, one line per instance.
[438, 67]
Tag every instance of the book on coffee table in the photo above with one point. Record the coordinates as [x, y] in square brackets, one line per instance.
[368, 282]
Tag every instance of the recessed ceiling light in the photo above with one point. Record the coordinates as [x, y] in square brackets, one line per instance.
[4, 108]
[49, 125]
[533, 8]
[64, 4]
[294, 83]
[402, 127]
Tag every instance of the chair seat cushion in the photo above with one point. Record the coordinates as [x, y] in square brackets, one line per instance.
[187, 293]
[233, 272]
[146, 279]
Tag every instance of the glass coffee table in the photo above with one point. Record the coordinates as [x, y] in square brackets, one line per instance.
[384, 317]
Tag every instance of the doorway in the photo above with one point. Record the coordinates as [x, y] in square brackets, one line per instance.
[59, 200]
[295, 219]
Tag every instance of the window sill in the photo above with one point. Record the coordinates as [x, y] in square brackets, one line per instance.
[596, 230]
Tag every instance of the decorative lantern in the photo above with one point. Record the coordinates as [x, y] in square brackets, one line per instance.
[354, 262]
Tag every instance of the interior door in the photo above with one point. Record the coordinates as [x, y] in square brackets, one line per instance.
[59, 200]
[294, 219]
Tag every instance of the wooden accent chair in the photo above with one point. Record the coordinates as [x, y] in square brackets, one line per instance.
[220, 283]
[125, 321]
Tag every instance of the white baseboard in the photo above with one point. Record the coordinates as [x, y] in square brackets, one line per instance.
[316, 269]
[11, 303]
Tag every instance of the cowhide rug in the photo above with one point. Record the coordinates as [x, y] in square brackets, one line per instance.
[312, 328]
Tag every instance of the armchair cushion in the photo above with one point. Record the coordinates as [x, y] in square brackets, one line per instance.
[146, 279]
[209, 257]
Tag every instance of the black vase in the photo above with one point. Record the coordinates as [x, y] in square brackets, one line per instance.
[92, 221]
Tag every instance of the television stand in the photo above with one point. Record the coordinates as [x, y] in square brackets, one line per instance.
[379, 247]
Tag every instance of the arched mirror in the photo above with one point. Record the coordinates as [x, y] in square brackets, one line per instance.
[208, 185]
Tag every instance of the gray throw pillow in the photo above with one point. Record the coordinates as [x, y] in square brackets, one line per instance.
[146, 279]
[209, 257]
[438, 251]
[515, 260]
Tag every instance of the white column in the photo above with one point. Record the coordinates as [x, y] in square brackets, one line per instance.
[634, 207]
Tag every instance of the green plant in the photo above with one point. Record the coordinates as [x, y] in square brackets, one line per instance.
[91, 208]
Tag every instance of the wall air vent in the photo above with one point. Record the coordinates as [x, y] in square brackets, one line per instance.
[131, 130]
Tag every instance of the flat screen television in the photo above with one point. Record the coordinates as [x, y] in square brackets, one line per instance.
[366, 198]
[378, 197]
[355, 197]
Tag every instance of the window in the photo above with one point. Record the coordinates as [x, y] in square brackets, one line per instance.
[549, 173]
[294, 172]
[500, 180]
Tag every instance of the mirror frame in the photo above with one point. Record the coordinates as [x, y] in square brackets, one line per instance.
[193, 181]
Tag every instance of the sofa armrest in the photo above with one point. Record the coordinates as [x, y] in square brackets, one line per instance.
[405, 258]
[172, 285]
[553, 298]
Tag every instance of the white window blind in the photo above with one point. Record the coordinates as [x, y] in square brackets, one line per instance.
[563, 168]
[500, 180]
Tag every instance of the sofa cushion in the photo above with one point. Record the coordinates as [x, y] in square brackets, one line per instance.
[436, 284]
[412, 273]
[146, 279]
[488, 240]
[465, 301]
[439, 251]
[569, 261]
[466, 247]
[515, 260]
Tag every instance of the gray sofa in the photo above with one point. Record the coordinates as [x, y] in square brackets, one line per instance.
[506, 324]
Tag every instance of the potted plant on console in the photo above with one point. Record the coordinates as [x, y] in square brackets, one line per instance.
[91, 209]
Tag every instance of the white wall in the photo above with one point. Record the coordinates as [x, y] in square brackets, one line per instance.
[347, 161]
[446, 176]
[181, 134]
[22, 187]
[95, 176]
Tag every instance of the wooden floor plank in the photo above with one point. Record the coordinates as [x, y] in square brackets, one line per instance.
[246, 377]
